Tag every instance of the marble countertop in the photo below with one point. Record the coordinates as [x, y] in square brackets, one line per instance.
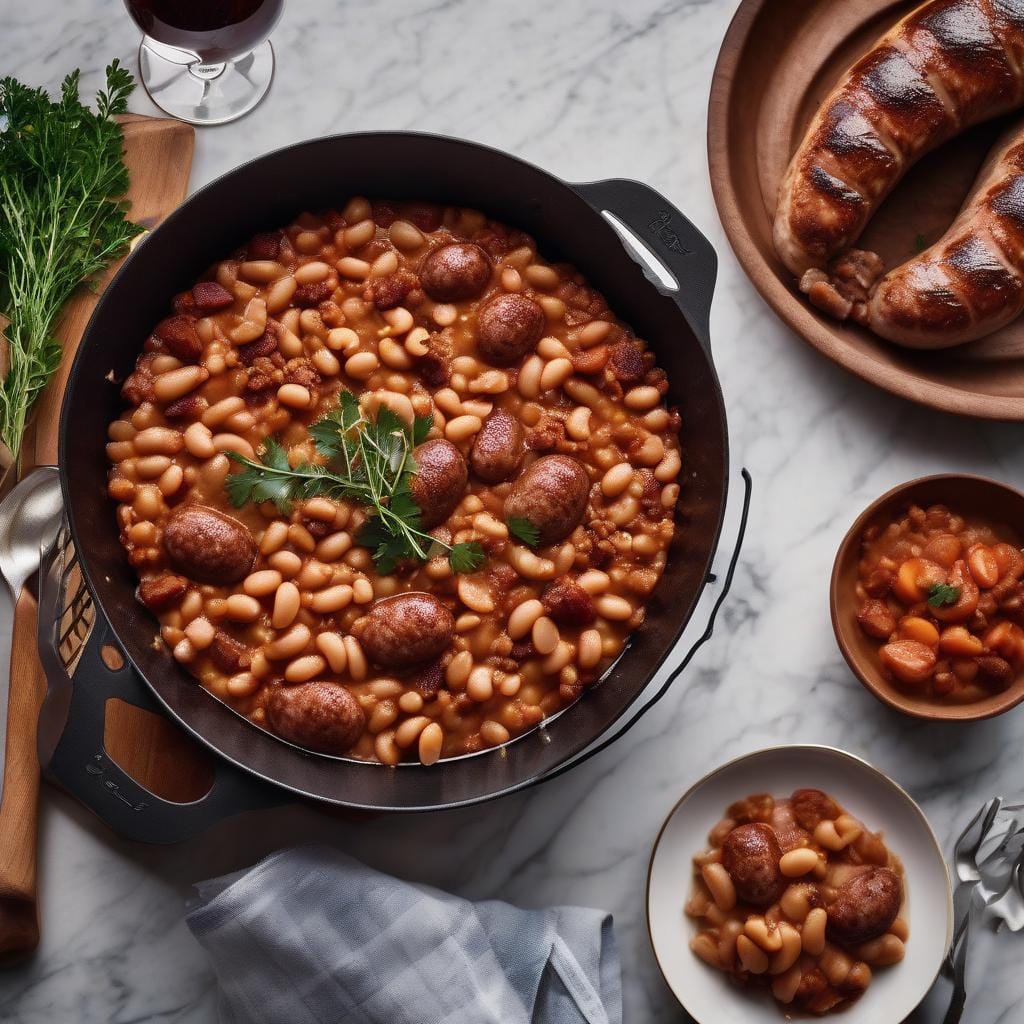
[586, 89]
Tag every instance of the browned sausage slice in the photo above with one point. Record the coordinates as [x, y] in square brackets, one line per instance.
[498, 448]
[552, 495]
[508, 327]
[439, 482]
[320, 716]
[207, 545]
[455, 272]
[865, 906]
[405, 630]
[751, 855]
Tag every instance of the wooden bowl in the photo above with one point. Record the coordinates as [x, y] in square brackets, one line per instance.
[780, 58]
[1000, 505]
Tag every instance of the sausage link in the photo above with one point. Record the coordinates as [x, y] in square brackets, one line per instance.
[947, 65]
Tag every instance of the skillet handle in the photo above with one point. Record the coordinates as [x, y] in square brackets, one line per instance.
[76, 759]
[670, 236]
[709, 629]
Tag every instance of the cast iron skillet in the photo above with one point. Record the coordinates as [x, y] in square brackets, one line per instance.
[567, 222]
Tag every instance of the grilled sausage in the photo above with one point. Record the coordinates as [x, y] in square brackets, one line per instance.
[457, 271]
[971, 282]
[865, 906]
[552, 494]
[439, 482]
[498, 449]
[207, 545]
[508, 327]
[947, 65]
[321, 716]
[404, 630]
[751, 855]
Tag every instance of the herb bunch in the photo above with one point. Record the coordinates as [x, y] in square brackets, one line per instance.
[62, 181]
[368, 461]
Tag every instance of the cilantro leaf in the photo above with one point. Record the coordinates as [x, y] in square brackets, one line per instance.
[270, 481]
[522, 529]
[942, 595]
[327, 434]
[421, 426]
[467, 556]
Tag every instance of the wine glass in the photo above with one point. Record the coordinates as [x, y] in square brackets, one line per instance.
[206, 61]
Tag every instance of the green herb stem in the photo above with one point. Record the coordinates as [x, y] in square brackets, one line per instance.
[62, 181]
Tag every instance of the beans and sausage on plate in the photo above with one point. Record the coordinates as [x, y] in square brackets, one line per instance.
[395, 486]
[798, 897]
[942, 593]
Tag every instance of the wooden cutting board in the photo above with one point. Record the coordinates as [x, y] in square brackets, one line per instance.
[158, 153]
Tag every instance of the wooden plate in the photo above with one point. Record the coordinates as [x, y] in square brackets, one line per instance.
[779, 60]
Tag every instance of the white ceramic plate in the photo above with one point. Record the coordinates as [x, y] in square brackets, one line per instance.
[865, 792]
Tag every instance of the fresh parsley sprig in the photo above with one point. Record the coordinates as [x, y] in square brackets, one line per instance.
[368, 461]
[62, 220]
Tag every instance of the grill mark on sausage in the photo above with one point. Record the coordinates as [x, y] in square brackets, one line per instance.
[895, 84]
[831, 186]
[1007, 201]
[1010, 12]
[985, 282]
[960, 29]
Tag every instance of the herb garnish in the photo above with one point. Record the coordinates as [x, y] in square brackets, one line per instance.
[62, 179]
[368, 461]
[521, 528]
[942, 595]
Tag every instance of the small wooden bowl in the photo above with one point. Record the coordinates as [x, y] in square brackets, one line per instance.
[1001, 505]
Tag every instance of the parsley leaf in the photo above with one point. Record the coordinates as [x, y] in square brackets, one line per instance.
[369, 461]
[467, 556]
[524, 530]
[62, 221]
[942, 595]
[421, 426]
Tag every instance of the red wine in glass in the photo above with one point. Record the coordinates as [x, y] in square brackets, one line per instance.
[206, 61]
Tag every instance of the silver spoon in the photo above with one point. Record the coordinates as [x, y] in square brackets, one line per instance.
[29, 517]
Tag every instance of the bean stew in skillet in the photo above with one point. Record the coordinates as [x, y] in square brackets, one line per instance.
[395, 486]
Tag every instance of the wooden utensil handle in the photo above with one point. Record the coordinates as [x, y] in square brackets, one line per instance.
[19, 930]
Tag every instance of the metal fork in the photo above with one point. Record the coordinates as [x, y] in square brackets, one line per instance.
[1008, 907]
[971, 892]
[968, 872]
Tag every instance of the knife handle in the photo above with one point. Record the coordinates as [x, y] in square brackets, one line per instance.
[19, 925]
